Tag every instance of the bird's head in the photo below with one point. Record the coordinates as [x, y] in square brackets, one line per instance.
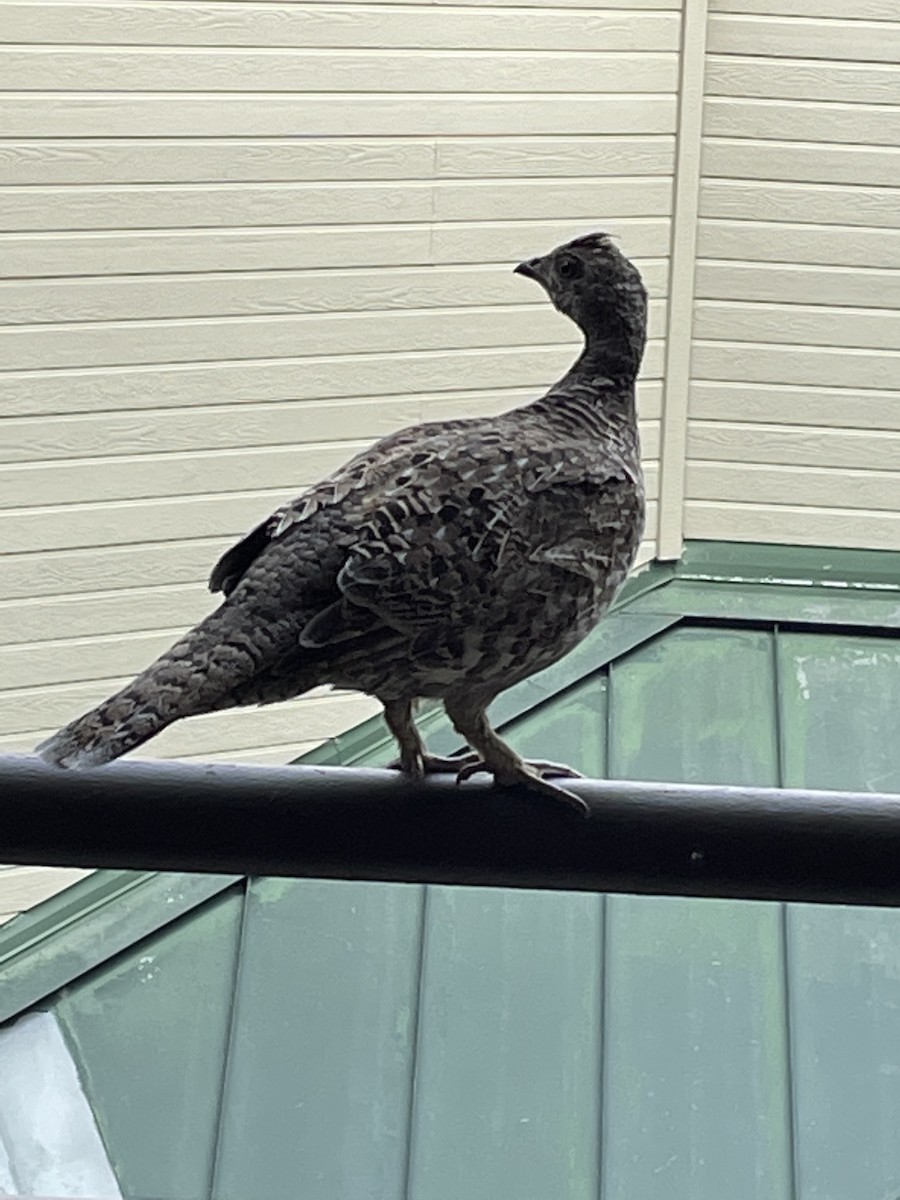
[592, 282]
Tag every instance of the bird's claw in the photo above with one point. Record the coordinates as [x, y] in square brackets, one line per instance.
[534, 775]
[433, 764]
[540, 768]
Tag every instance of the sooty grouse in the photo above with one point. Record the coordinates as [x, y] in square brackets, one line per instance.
[450, 560]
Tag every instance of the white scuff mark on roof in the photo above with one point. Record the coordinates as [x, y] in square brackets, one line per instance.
[802, 677]
[49, 1141]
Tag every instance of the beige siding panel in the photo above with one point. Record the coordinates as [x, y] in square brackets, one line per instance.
[329, 26]
[242, 160]
[212, 160]
[796, 162]
[193, 250]
[807, 203]
[28, 115]
[23, 887]
[248, 205]
[669, 5]
[295, 424]
[794, 121]
[150, 476]
[204, 340]
[737, 442]
[840, 408]
[801, 79]
[870, 10]
[718, 520]
[57, 527]
[36, 69]
[469, 241]
[770, 242]
[326, 377]
[25, 209]
[529, 157]
[820, 366]
[137, 252]
[103, 614]
[799, 37]
[799, 325]
[270, 292]
[789, 283]
[64, 572]
[818, 487]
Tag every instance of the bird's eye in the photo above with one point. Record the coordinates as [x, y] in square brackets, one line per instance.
[569, 268]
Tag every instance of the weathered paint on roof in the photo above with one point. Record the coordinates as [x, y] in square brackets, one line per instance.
[346, 1040]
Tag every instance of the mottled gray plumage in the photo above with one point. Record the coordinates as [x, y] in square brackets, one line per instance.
[450, 560]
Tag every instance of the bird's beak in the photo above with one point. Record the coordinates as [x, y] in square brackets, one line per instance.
[529, 269]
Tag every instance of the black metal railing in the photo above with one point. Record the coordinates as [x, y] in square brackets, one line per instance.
[343, 823]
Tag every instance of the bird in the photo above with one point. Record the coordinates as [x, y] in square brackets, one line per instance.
[447, 562]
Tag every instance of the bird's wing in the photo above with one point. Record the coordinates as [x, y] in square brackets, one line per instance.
[365, 471]
[435, 512]
[435, 539]
[590, 503]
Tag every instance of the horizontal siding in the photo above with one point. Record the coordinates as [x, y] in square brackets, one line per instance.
[834, 407]
[23, 887]
[211, 340]
[797, 162]
[806, 203]
[864, 10]
[781, 36]
[798, 82]
[238, 241]
[322, 377]
[795, 395]
[122, 161]
[252, 294]
[60, 114]
[104, 253]
[356, 27]
[790, 283]
[245, 205]
[37, 69]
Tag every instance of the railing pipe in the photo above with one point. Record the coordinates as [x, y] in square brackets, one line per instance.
[341, 823]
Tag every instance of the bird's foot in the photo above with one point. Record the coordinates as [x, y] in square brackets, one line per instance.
[533, 774]
[432, 764]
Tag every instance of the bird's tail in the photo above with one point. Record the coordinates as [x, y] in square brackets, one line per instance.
[196, 675]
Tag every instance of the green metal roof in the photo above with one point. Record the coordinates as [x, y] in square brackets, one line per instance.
[346, 1041]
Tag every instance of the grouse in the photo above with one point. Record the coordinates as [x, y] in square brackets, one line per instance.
[449, 561]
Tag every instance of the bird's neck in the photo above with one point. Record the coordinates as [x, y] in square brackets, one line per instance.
[615, 347]
[594, 399]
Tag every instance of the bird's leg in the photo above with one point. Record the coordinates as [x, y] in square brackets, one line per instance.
[414, 760]
[470, 720]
